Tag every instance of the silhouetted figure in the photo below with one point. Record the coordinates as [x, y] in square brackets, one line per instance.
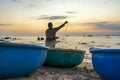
[42, 38]
[51, 34]
[38, 38]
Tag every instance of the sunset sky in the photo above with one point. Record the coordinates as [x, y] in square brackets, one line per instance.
[30, 17]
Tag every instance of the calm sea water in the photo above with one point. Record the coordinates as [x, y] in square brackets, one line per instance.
[75, 42]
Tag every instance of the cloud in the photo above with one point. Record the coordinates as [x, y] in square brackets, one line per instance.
[71, 12]
[17, 1]
[106, 25]
[5, 24]
[27, 3]
[50, 17]
[32, 5]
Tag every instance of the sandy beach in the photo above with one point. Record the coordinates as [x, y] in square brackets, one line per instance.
[84, 71]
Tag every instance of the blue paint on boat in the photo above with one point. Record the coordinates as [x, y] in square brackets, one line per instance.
[106, 62]
[20, 59]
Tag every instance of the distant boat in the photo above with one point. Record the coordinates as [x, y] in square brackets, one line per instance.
[67, 35]
[64, 57]
[89, 35]
[20, 59]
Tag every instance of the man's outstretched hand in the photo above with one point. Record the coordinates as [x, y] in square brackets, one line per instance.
[66, 22]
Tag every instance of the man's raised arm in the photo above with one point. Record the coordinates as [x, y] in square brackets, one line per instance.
[61, 25]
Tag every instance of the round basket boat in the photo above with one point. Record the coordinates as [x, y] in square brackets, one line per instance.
[64, 57]
[106, 62]
[20, 59]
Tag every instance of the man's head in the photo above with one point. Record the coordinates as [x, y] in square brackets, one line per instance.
[50, 25]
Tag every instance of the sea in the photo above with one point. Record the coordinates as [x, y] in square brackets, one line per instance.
[70, 42]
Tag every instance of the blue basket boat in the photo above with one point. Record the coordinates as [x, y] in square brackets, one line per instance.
[20, 59]
[106, 62]
[58, 57]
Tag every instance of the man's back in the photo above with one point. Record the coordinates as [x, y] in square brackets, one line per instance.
[51, 34]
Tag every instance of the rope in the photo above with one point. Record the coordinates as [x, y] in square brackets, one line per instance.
[65, 34]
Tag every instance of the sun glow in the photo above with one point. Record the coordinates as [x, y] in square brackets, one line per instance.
[31, 17]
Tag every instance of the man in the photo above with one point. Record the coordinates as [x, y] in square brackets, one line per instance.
[51, 34]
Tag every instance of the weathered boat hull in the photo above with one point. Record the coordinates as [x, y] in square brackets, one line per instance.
[64, 57]
[20, 59]
[106, 62]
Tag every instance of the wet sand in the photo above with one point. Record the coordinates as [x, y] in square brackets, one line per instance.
[84, 71]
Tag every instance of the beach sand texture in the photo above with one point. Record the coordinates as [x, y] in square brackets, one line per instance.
[84, 71]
